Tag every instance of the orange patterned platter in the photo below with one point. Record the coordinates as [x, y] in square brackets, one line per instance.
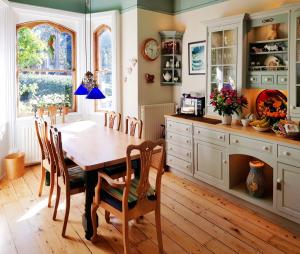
[271, 104]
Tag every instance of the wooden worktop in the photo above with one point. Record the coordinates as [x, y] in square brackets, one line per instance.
[236, 129]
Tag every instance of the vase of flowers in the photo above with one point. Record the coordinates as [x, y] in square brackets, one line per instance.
[226, 102]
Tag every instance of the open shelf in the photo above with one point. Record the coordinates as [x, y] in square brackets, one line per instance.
[269, 53]
[269, 41]
[238, 171]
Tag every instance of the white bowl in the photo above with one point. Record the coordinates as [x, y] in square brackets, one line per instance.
[262, 129]
[245, 122]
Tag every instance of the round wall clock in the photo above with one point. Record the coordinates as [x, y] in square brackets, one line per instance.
[150, 49]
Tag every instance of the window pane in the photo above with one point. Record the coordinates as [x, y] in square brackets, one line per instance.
[44, 89]
[105, 64]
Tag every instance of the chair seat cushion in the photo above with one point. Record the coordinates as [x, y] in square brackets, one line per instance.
[113, 196]
[121, 168]
[76, 175]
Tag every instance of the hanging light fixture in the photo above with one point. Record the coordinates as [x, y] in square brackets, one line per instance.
[89, 85]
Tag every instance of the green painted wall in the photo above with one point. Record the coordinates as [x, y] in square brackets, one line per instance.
[164, 6]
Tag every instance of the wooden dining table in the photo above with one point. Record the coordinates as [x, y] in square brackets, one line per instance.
[94, 147]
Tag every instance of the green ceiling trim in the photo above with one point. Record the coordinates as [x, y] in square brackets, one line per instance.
[188, 5]
[162, 6]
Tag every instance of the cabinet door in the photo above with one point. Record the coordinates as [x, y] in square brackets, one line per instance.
[210, 163]
[294, 94]
[288, 189]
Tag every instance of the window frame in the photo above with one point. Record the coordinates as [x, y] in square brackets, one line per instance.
[97, 33]
[61, 29]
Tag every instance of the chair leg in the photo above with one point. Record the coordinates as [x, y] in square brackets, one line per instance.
[68, 199]
[95, 237]
[56, 202]
[42, 179]
[125, 235]
[52, 181]
[107, 216]
[158, 230]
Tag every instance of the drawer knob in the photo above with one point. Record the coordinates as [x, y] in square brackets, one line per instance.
[266, 148]
[187, 141]
[171, 136]
[171, 148]
[286, 153]
[198, 132]
[294, 107]
[220, 137]
[187, 129]
[187, 154]
[225, 161]
[236, 141]
[187, 166]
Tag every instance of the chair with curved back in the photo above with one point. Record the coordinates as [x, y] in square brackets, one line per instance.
[109, 120]
[47, 160]
[135, 197]
[72, 179]
[131, 124]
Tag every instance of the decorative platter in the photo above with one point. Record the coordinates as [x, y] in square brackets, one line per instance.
[271, 104]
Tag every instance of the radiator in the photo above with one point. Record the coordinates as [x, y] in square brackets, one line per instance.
[28, 143]
[153, 116]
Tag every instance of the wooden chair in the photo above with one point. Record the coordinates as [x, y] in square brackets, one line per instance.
[72, 179]
[109, 120]
[135, 197]
[52, 111]
[47, 160]
[131, 124]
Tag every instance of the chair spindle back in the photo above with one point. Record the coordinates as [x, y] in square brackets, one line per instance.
[109, 120]
[132, 124]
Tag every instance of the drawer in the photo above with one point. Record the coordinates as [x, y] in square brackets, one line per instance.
[181, 165]
[254, 79]
[289, 154]
[179, 152]
[212, 136]
[267, 79]
[181, 128]
[282, 79]
[258, 146]
[179, 139]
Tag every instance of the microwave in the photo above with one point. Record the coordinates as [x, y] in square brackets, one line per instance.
[192, 105]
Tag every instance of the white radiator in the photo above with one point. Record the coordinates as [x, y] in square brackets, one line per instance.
[28, 143]
[153, 116]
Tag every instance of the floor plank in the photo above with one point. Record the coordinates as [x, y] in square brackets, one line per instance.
[195, 219]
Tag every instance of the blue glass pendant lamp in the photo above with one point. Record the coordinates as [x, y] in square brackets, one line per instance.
[89, 86]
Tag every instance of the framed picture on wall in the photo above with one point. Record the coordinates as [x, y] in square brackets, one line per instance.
[197, 57]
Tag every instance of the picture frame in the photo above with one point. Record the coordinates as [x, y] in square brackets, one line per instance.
[197, 57]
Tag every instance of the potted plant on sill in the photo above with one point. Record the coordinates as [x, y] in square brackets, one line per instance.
[226, 102]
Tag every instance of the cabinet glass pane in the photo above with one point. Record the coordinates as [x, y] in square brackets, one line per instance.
[216, 56]
[229, 56]
[217, 39]
[229, 76]
[298, 28]
[229, 38]
[298, 51]
[298, 96]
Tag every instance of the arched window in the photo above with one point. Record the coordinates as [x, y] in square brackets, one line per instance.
[103, 66]
[46, 66]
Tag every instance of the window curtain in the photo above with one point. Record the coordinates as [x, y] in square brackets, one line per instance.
[7, 81]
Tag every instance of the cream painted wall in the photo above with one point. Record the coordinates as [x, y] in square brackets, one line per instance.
[191, 23]
[129, 37]
[149, 24]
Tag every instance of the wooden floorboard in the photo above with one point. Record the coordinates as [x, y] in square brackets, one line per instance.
[195, 219]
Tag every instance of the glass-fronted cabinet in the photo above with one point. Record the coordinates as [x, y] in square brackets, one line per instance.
[171, 59]
[226, 58]
[268, 47]
[294, 95]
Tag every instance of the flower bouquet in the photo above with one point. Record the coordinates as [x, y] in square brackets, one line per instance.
[226, 102]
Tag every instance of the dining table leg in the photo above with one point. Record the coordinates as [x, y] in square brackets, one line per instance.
[91, 178]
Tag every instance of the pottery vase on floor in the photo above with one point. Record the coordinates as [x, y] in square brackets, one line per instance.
[226, 119]
[255, 180]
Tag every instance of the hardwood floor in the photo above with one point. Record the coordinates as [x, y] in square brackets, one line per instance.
[195, 219]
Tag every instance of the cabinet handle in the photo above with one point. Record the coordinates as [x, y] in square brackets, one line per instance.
[171, 136]
[286, 153]
[294, 107]
[279, 184]
[187, 166]
[187, 154]
[171, 148]
[220, 137]
[236, 141]
[266, 148]
[187, 129]
[225, 161]
[187, 141]
[198, 132]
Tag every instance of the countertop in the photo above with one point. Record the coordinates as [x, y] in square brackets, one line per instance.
[213, 123]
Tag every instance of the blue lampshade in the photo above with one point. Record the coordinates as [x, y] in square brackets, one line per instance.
[95, 93]
[81, 90]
